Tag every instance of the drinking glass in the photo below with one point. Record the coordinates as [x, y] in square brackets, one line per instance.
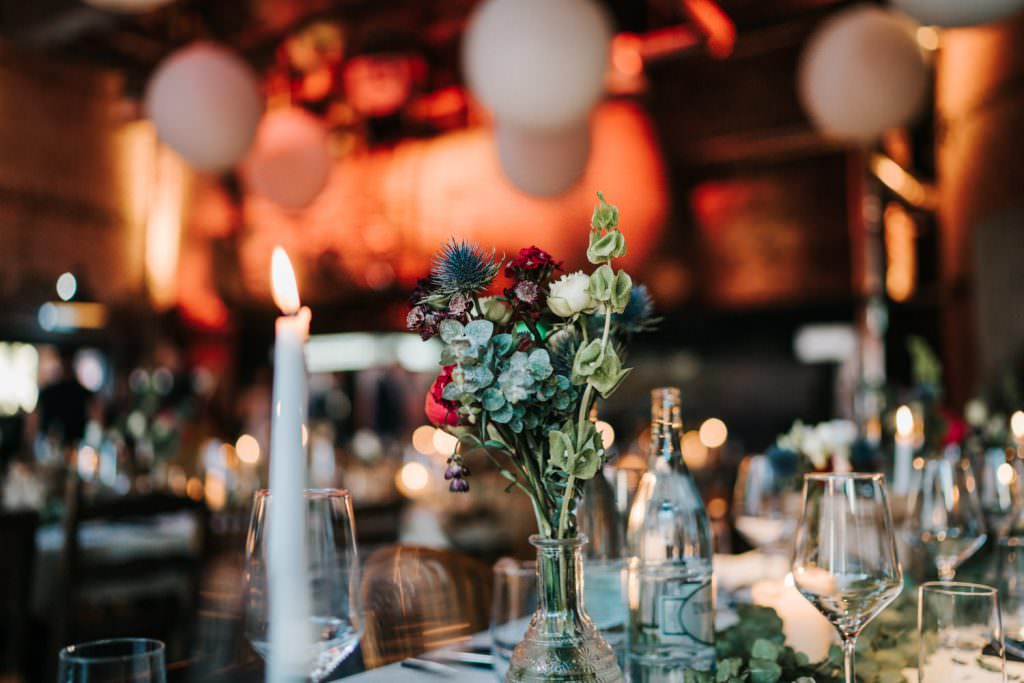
[515, 601]
[330, 579]
[944, 513]
[766, 508]
[998, 489]
[845, 561]
[1008, 579]
[121, 660]
[960, 634]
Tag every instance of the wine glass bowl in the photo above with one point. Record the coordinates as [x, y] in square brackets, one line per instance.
[765, 507]
[844, 559]
[331, 579]
[945, 514]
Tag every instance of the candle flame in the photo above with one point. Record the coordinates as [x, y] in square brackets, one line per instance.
[1017, 424]
[904, 421]
[282, 279]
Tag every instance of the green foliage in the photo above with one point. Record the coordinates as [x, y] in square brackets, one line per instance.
[752, 651]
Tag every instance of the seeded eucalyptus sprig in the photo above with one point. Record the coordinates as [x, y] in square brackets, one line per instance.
[522, 368]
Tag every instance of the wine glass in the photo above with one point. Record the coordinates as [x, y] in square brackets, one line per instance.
[960, 633]
[766, 508]
[330, 580]
[113, 661]
[845, 561]
[944, 513]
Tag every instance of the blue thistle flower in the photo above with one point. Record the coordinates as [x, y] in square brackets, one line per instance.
[463, 268]
[638, 315]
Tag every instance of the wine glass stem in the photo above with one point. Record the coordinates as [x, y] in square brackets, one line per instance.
[849, 644]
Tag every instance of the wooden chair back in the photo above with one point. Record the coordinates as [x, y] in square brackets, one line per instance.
[420, 599]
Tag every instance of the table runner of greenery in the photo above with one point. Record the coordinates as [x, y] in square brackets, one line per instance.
[752, 651]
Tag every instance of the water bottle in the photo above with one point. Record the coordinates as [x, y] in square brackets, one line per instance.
[671, 595]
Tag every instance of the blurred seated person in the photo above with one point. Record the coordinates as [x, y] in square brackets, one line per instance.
[64, 405]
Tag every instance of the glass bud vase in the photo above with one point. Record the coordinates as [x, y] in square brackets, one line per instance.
[562, 644]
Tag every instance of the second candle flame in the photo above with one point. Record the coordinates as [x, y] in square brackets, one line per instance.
[283, 284]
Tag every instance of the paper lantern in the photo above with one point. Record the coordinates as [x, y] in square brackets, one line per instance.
[959, 12]
[289, 161]
[862, 73]
[537, 64]
[205, 103]
[543, 163]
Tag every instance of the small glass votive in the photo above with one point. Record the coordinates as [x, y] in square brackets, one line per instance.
[119, 660]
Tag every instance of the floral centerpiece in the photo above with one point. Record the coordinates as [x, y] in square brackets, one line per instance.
[522, 366]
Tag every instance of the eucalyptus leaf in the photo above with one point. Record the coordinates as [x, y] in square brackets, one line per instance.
[492, 399]
[503, 344]
[450, 330]
[479, 331]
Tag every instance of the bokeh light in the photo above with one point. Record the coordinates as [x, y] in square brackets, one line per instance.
[423, 439]
[67, 285]
[248, 449]
[444, 443]
[713, 433]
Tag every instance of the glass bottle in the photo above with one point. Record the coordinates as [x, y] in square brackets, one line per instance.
[562, 643]
[671, 595]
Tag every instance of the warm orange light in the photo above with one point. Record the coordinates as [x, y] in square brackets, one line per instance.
[283, 284]
[904, 421]
[713, 433]
[423, 440]
[695, 453]
[718, 29]
[897, 179]
[248, 449]
[901, 253]
[626, 55]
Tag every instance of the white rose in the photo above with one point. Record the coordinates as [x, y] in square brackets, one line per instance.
[570, 295]
[495, 310]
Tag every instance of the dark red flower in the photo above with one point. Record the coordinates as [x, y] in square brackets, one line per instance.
[532, 263]
[440, 411]
[956, 428]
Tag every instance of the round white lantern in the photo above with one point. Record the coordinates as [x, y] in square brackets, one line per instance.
[289, 161]
[959, 12]
[537, 64]
[205, 103]
[543, 163]
[862, 73]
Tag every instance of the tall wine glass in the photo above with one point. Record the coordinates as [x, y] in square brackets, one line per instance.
[944, 513]
[331, 574]
[766, 508]
[845, 561]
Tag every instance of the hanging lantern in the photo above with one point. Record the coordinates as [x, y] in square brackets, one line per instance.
[862, 73]
[205, 103]
[289, 161]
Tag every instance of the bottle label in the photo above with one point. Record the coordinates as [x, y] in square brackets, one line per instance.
[689, 612]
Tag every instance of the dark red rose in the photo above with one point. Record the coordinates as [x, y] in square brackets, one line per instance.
[532, 260]
[956, 428]
[440, 411]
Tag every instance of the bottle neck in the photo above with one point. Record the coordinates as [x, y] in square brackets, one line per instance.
[560, 574]
[666, 428]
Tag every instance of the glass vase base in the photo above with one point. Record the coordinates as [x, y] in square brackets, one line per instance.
[591, 661]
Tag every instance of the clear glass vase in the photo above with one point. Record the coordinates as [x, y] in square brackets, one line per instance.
[562, 644]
